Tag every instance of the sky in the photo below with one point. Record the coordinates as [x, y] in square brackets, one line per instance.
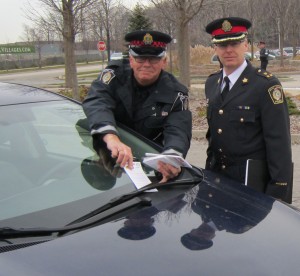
[12, 19]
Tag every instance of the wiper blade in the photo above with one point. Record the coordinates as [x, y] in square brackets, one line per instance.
[114, 206]
[197, 177]
[7, 232]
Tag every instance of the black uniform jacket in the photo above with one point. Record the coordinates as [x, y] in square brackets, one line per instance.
[263, 54]
[163, 116]
[251, 123]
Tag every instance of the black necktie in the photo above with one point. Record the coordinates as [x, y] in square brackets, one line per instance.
[226, 88]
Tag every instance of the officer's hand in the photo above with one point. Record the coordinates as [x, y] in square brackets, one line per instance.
[119, 150]
[168, 171]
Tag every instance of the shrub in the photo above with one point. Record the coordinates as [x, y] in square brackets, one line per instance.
[293, 109]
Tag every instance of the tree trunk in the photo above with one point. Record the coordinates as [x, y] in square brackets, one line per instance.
[69, 50]
[184, 54]
[70, 68]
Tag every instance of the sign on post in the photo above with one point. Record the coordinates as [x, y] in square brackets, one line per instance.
[101, 46]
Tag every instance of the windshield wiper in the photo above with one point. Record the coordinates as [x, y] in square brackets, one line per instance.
[198, 177]
[7, 232]
[113, 207]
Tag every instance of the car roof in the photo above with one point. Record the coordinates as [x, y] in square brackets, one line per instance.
[12, 93]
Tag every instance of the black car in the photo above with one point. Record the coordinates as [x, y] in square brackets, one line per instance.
[67, 210]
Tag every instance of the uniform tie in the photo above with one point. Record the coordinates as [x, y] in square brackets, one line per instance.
[226, 88]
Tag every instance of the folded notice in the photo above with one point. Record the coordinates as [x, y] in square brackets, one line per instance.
[138, 176]
[177, 161]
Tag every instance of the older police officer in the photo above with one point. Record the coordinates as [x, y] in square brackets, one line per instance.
[247, 113]
[144, 97]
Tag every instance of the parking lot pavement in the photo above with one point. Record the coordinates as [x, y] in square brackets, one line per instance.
[197, 157]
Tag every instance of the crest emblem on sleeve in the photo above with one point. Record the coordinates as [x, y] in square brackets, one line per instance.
[107, 75]
[276, 94]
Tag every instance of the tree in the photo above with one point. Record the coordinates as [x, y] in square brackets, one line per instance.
[64, 16]
[138, 20]
[35, 36]
[181, 12]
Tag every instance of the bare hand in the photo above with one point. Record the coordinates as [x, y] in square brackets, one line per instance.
[119, 150]
[168, 171]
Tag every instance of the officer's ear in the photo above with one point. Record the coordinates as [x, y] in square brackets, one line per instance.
[131, 60]
[165, 62]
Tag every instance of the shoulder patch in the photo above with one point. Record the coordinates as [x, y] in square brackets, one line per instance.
[107, 75]
[276, 94]
[264, 73]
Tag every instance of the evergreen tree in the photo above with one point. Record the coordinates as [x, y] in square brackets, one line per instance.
[138, 20]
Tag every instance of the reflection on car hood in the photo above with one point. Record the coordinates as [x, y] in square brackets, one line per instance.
[212, 229]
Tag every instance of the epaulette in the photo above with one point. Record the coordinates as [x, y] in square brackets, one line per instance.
[264, 73]
[215, 73]
[114, 64]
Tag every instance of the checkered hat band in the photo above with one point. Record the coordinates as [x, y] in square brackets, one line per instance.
[234, 29]
[154, 43]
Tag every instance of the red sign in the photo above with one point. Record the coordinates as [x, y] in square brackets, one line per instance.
[101, 46]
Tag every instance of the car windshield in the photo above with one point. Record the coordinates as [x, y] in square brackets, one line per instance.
[47, 160]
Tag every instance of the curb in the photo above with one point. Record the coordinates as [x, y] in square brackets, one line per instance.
[200, 134]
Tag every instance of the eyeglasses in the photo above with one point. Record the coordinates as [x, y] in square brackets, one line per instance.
[152, 60]
[233, 44]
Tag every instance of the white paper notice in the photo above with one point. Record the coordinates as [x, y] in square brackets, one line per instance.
[137, 175]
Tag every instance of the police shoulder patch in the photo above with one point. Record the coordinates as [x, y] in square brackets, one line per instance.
[276, 94]
[107, 75]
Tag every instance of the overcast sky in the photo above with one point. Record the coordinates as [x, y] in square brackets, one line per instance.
[12, 19]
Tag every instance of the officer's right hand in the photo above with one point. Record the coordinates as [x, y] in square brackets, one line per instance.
[119, 150]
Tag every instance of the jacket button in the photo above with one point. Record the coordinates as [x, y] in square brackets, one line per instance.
[223, 167]
[153, 108]
[220, 150]
[219, 131]
[242, 120]
[221, 111]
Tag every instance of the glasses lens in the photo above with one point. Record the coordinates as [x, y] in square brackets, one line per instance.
[152, 60]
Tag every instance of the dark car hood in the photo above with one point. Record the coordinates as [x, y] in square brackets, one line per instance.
[253, 235]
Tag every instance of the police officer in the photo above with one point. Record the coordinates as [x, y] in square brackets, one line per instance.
[247, 113]
[263, 55]
[145, 98]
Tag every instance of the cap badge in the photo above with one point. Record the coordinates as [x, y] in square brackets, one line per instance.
[148, 39]
[226, 26]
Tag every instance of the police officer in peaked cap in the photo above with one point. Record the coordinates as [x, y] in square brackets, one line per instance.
[144, 97]
[247, 114]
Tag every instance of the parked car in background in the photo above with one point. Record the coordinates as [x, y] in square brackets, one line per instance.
[67, 210]
[272, 55]
[277, 53]
[289, 51]
[116, 56]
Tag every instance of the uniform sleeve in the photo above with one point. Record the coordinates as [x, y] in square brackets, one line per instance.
[276, 132]
[98, 106]
[178, 126]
